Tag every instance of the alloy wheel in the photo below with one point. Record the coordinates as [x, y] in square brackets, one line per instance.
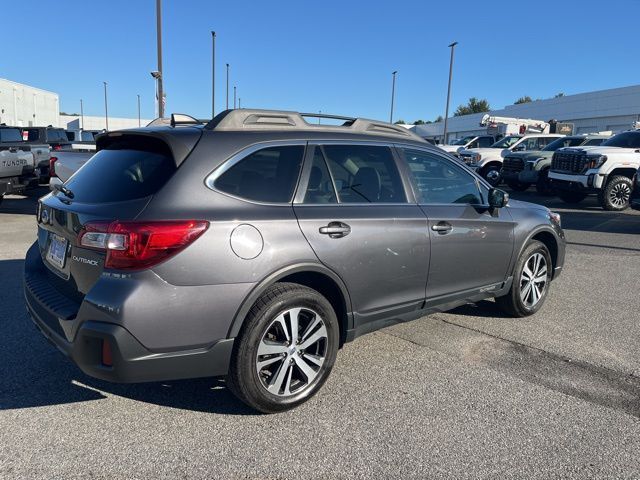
[619, 195]
[292, 351]
[533, 281]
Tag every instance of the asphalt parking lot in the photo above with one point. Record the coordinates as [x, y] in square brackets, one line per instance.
[464, 394]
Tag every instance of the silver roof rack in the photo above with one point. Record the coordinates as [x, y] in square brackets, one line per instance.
[250, 119]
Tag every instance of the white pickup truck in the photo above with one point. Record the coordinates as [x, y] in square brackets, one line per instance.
[18, 161]
[606, 170]
[66, 162]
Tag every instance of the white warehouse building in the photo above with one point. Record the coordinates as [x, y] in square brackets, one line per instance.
[25, 106]
[615, 109]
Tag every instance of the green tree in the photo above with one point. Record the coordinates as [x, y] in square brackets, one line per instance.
[438, 119]
[525, 99]
[400, 122]
[473, 106]
[558, 95]
[419, 122]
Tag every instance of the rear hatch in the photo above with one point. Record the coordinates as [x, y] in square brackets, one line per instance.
[115, 184]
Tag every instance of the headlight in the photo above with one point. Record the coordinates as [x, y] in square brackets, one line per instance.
[531, 164]
[475, 157]
[555, 218]
[595, 161]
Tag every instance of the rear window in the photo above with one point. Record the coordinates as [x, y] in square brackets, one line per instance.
[56, 135]
[624, 140]
[123, 172]
[33, 134]
[268, 175]
[10, 135]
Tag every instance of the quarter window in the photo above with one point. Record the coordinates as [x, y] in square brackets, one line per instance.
[438, 180]
[319, 187]
[364, 174]
[268, 175]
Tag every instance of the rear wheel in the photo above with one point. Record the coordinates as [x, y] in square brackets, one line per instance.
[491, 174]
[543, 185]
[285, 350]
[568, 196]
[616, 195]
[517, 186]
[531, 280]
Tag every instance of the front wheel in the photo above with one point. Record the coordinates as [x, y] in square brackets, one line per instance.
[492, 175]
[285, 350]
[531, 280]
[568, 196]
[616, 195]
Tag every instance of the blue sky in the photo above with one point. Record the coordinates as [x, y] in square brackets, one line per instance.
[334, 56]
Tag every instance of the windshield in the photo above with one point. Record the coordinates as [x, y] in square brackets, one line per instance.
[624, 140]
[563, 142]
[10, 135]
[506, 142]
[463, 140]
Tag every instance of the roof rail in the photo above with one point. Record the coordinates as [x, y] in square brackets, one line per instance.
[176, 120]
[250, 119]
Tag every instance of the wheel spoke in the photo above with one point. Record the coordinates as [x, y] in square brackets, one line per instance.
[283, 325]
[314, 359]
[276, 383]
[293, 318]
[319, 334]
[312, 325]
[526, 272]
[525, 292]
[269, 361]
[287, 386]
[535, 294]
[269, 348]
[309, 372]
[541, 278]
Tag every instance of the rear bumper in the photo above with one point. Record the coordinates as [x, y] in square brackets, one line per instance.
[81, 339]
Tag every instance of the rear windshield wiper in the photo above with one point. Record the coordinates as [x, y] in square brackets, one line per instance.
[64, 190]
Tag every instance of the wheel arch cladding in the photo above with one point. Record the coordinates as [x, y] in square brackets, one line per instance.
[623, 172]
[313, 276]
[550, 242]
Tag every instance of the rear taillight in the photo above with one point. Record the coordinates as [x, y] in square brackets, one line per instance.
[52, 166]
[57, 147]
[138, 245]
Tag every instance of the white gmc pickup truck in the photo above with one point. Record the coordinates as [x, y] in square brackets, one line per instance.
[606, 170]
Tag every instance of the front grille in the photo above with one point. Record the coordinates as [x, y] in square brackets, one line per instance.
[569, 161]
[513, 164]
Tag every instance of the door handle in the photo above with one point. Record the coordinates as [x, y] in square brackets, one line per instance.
[442, 228]
[336, 229]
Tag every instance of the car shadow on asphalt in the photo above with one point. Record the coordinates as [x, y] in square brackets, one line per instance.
[34, 373]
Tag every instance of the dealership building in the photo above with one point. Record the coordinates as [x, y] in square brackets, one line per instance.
[25, 106]
[615, 109]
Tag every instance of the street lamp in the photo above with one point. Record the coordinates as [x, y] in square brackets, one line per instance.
[393, 94]
[159, 40]
[157, 75]
[446, 115]
[213, 74]
[81, 115]
[227, 86]
[106, 111]
[138, 110]
[234, 97]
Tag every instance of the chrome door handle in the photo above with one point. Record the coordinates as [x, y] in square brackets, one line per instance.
[336, 229]
[442, 227]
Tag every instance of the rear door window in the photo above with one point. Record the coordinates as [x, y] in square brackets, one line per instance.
[364, 174]
[267, 175]
[122, 172]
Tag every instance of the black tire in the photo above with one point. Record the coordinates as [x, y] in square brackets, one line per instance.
[616, 195]
[512, 303]
[517, 186]
[543, 185]
[569, 196]
[487, 172]
[244, 380]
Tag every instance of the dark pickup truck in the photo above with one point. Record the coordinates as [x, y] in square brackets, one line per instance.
[54, 137]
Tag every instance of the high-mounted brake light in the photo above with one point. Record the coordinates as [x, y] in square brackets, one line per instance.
[52, 166]
[138, 245]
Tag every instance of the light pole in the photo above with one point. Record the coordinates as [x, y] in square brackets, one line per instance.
[227, 86]
[213, 74]
[106, 111]
[157, 76]
[393, 94]
[159, 40]
[239, 102]
[234, 97]
[81, 115]
[446, 115]
[138, 110]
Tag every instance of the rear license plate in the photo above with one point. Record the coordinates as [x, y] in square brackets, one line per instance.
[57, 252]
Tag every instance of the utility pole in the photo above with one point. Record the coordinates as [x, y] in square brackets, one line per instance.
[213, 74]
[239, 102]
[234, 97]
[106, 111]
[446, 115]
[139, 110]
[81, 115]
[227, 86]
[159, 39]
[393, 94]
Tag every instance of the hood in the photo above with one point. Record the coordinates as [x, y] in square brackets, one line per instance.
[599, 149]
[481, 150]
[530, 155]
[526, 205]
[450, 148]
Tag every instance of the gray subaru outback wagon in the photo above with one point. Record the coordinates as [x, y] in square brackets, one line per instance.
[255, 246]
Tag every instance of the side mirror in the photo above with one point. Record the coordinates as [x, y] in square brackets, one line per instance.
[498, 198]
[519, 148]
